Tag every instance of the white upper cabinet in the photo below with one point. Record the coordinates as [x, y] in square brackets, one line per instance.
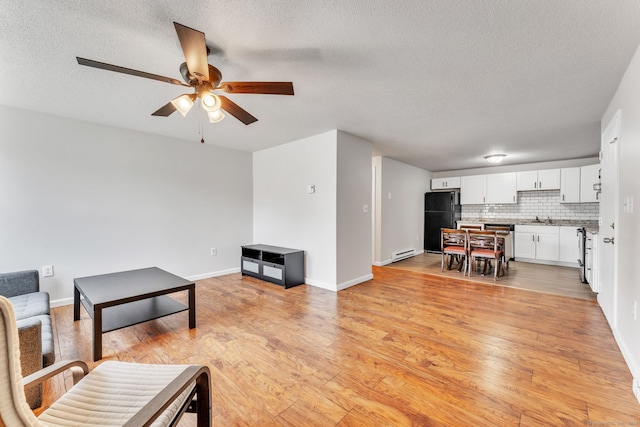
[501, 188]
[547, 179]
[451, 182]
[589, 176]
[473, 190]
[570, 185]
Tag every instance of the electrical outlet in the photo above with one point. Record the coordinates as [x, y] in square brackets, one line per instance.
[214, 251]
[634, 310]
[47, 271]
[365, 208]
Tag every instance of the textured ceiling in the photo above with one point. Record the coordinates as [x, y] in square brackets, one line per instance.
[437, 84]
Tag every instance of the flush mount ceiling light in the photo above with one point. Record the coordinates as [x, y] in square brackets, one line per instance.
[495, 158]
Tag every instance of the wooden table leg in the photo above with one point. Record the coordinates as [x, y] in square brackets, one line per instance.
[97, 334]
[192, 306]
[76, 303]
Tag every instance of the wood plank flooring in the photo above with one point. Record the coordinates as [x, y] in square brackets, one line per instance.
[522, 275]
[404, 349]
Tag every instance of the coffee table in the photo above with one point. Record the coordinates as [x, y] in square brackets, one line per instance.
[126, 298]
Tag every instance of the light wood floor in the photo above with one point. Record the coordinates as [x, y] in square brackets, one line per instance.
[404, 349]
[522, 275]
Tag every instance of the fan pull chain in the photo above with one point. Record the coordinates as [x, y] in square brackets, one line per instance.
[201, 131]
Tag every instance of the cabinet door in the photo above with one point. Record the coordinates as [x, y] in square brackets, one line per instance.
[501, 188]
[547, 246]
[527, 180]
[452, 182]
[473, 190]
[549, 179]
[437, 183]
[589, 175]
[525, 245]
[570, 185]
[445, 183]
[569, 245]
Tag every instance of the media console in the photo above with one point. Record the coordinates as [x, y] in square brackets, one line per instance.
[282, 266]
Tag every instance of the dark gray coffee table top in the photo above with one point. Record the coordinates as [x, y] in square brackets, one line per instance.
[131, 285]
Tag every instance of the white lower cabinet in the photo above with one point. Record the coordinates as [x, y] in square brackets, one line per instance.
[569, 245]
[537, 242]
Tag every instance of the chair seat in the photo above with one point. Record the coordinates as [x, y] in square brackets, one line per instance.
[455, 249]
[486, 253]
[111, 395]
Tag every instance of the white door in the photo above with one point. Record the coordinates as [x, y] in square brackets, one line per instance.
[607, 252]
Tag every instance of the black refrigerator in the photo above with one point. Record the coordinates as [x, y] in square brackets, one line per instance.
[441, 210]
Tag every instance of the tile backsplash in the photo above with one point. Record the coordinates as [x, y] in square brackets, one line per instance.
[543, 204]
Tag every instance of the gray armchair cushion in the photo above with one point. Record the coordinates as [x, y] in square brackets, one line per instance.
[30, 305]
[19, 283]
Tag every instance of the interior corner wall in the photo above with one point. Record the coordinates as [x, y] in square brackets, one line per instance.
[627, 99]
[354, 211]
[285, 214]
[92, 199]
[399, 201]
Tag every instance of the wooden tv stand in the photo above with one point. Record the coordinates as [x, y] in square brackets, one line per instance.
[282, 266]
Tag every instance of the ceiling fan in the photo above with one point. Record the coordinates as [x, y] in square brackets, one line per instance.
[204, 79]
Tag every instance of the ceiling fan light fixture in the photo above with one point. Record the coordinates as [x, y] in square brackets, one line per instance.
[184, 103]
[210, 102]
[495, 158]
[215, 116]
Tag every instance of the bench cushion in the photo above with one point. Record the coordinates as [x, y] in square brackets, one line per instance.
[30, 305]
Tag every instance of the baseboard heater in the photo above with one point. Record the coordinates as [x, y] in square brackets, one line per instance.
[400, 255]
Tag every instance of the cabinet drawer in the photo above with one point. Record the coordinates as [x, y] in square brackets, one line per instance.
[250, 265]
[273, 271]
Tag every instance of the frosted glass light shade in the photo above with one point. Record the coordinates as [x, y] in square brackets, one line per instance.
[184, 103]
[495, 158]
[210, 102]
[215, 116]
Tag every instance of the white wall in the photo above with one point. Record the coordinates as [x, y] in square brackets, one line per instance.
[353, 224]
[92, 199]
[285, 215]
[399, 219]
[627, 99]
[328, 225]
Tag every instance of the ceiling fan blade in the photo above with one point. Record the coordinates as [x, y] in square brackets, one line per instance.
[118, 69]
[194, 47]
[165, 111]
[268, 88]
[236, 111]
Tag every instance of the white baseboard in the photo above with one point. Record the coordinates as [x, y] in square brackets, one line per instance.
[213, 274]
[354, 282]
[61, 302]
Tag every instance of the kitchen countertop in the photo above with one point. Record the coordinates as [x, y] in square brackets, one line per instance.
[591, 226]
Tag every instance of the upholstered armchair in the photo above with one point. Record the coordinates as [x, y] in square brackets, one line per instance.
[34, 324]
[114, 393]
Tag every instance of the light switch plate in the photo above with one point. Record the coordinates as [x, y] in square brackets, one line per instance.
[47, 271]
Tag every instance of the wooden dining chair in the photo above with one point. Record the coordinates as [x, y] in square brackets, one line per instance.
[484, 245]
[453, 243]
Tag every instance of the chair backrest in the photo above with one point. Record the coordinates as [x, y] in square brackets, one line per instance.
[470, 227]
[14, 410]
[452, 237]
[19, 283]
[483, 239]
